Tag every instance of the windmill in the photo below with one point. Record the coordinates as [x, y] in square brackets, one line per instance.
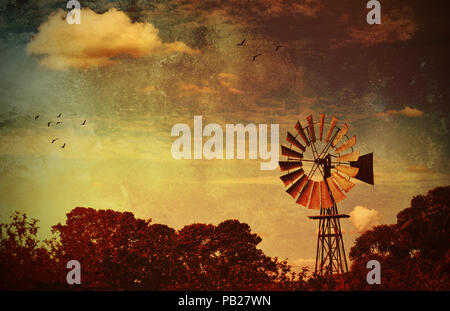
[320, 181]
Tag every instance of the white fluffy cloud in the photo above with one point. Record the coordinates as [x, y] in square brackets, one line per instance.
[97, 41]
[364, 218]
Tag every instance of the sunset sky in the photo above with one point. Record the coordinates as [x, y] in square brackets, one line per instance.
[134, 69]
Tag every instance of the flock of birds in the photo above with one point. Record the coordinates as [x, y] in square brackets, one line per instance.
[56, 123]
[277, 47]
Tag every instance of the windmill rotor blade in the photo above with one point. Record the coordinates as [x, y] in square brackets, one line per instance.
[349, 143]
[294, 190]
[291, 139]
[345, 184]
[330, 130]
[325, 195]
[305, 194]
[322, 120]
[290, 153]
[337, 194]
[300, 131]
[353, 156]
[310, 121]
[341, 134]
[290, 177]
[347, 170]
[289, 165]
[365, 166]
[314, 202]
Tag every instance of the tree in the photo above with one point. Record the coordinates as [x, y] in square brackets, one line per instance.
[25, 263]
[414, 253]
[116, 250]
[225, 257]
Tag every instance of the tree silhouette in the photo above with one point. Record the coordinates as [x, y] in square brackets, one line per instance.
[414, 253]
[226, 258]
[24, 262]
[120, 252]
[116, 250]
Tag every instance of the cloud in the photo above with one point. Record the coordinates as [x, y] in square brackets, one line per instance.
[396, 25]
[225, 75]
[421, 169]
[190, 89]
[407, 111]
[147, 89]
[227, 80]
[364, 218]
[257, 9]
[6, 123]
[308, 7]
[280, 7]
[97, 41]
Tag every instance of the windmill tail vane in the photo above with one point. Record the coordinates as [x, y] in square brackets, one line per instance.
[320, 180]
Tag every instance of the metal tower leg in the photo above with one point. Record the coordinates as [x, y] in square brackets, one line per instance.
[330, 255]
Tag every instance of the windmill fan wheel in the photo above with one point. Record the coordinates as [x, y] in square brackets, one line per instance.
[333, 162]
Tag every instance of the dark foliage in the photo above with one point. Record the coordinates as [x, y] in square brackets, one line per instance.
[414, 253]
[120, 252]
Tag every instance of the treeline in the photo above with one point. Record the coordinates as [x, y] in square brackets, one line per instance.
[120, 252]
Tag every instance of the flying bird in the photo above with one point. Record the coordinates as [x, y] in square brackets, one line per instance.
[84, 122]
[63, 145]
[36, 117]
[59, 122]
[54, 139]
[50, 122]
[242, 43]
[278, 47]
[59, 115]
[254, 57]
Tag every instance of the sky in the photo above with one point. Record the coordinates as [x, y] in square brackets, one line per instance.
[134, 69]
